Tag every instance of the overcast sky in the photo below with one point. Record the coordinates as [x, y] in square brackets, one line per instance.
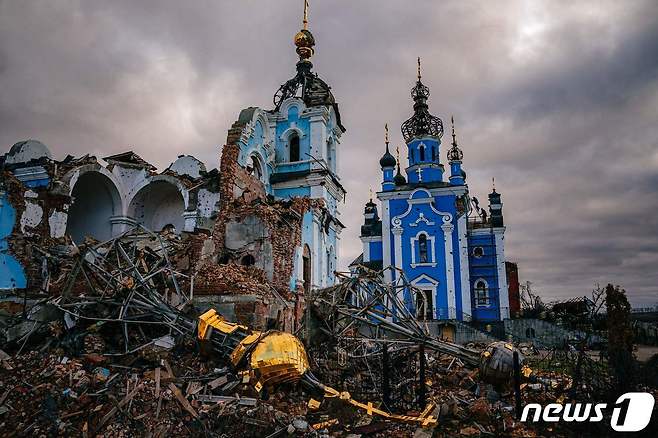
[556, 100]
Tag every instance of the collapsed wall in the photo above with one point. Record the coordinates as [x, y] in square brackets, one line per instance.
[255, 243]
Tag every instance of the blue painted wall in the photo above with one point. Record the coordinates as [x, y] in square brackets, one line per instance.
[485, 268]
[12, 275]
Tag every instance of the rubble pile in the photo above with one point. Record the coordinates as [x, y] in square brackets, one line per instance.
[120, 350]
[50, 394]
[211, 278]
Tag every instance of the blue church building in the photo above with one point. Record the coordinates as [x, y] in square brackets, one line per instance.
[448, 247]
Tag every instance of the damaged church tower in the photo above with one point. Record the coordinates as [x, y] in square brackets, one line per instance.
[289, 154]
[251, 238]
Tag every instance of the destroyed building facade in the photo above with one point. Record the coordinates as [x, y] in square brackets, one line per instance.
[270, 213]
[432, 230]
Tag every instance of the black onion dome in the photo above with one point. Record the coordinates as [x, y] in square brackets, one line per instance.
[422, 122]
[399, 179]
[387, 160]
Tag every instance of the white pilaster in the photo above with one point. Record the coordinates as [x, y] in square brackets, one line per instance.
[397, 248]
[503, 292]
[386, 240]
[315, 247]
[447, 228]
[189, 218]
[464, 267]
[366, 250]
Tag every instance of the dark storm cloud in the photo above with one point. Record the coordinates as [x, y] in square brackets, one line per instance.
[557, 100]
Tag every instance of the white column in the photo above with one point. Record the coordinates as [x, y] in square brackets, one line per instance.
[315, 256]
[464, 267]
[397, 248]
[503, 292]
[299, 265]
[366, 249]
[189, 218]
[447, 228]
[386, 240]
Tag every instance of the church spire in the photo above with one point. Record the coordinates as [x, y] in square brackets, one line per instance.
[422, 122]
[454, 154]
[387, 160]
[399, 178]
[304, 39]
[306, 84]
[305, 20]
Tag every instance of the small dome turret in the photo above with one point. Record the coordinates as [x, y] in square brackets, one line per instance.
[387, 160]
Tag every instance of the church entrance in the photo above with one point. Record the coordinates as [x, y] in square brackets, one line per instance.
[424, 304]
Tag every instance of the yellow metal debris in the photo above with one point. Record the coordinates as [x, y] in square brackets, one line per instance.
[212, 319]
[313, 404]
[325, 424]
[278, 357]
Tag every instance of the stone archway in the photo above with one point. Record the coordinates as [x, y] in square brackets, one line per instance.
[95, 200]
[157, 205]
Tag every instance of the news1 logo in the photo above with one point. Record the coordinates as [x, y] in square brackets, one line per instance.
[630, 413]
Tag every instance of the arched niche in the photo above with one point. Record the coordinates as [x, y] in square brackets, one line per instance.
[157, 205]
[95, 200]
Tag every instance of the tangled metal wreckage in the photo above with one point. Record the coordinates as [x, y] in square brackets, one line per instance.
[125, 305]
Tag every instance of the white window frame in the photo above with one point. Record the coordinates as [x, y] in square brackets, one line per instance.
[431, 253]
[486, 293]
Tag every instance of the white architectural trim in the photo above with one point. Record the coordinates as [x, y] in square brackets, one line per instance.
[430, 241]
[431, 287]
[285, 136]
[397, 246]
[485, 231]
[312, 179]
[386, 240]
[421, 218]
[424, 277]
[366, 250]
[487, 291]
[464, 266]
[503, 291]
[447, 228]
[285, 107]
[371, 238]
[315, 253]
[437, 191]
[397, 220]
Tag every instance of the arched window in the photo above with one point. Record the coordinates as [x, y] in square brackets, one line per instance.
[248, 260]
[421, 152]
[330, 155]
[256, 169]
[330, 264]
[294, 147]
[422, 248]
[306, 268]
[433, 154]
[481, 293]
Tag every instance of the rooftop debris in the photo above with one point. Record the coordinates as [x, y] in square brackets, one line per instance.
[119, 349]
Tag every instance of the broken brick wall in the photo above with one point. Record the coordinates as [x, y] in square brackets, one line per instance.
[242, 198]
[40, 223]
[252, 224]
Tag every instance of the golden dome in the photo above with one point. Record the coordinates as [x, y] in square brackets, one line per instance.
[304, 41]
